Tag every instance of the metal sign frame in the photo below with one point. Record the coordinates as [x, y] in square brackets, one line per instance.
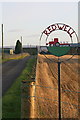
[47, 31]
[61, 27]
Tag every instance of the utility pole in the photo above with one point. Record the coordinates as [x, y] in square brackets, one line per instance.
[21, 46]
[2, 44]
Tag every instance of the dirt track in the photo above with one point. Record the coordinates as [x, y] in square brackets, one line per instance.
[46, 102]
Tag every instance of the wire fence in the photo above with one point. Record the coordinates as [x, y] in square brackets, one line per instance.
[51, 88]
[78, 105]
[46, 92]
[65, 108]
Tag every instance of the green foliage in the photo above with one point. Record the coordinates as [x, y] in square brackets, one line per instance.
[31, 51]
[18, 47]
[11, 101]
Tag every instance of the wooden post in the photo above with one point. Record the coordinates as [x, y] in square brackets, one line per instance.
[21, 46]
[2, 44]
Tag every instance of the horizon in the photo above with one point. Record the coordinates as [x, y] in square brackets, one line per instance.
[30, 19]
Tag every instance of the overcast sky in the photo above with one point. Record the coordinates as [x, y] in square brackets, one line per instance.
[30, 19]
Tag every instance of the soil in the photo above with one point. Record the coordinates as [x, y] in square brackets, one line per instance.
[46, 90]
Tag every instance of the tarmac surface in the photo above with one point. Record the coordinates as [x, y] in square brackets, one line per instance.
[11, 70]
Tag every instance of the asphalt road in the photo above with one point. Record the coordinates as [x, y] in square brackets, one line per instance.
[11, 70]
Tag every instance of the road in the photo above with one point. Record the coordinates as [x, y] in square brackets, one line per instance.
[11, 70]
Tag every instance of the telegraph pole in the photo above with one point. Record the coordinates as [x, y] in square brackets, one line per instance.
[21, 46]
[2, 44]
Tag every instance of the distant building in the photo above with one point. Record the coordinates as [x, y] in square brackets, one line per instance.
[11, 52]
[8, 51]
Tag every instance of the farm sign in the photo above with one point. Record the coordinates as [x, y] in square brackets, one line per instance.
[59, 26]
[58, 49]
[54, 47]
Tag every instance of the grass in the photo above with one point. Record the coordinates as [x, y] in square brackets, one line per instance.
[26, 89]
[8, 57]
[11, 101]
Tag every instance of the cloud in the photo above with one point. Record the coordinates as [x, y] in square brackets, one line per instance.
[34, 35]
[16, 30]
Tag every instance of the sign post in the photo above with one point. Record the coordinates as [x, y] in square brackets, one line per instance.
[59, 49]
[59, 91]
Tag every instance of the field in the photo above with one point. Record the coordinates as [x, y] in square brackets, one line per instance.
[46, 88]
[8, 57]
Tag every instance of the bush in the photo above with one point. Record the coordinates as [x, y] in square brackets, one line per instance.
[18, 47]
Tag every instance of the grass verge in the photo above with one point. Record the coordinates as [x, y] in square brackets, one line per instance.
[14, 56]
[11, 101]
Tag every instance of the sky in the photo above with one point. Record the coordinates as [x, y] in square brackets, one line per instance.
[29, 19]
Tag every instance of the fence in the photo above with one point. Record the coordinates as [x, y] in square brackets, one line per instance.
[45, 95]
